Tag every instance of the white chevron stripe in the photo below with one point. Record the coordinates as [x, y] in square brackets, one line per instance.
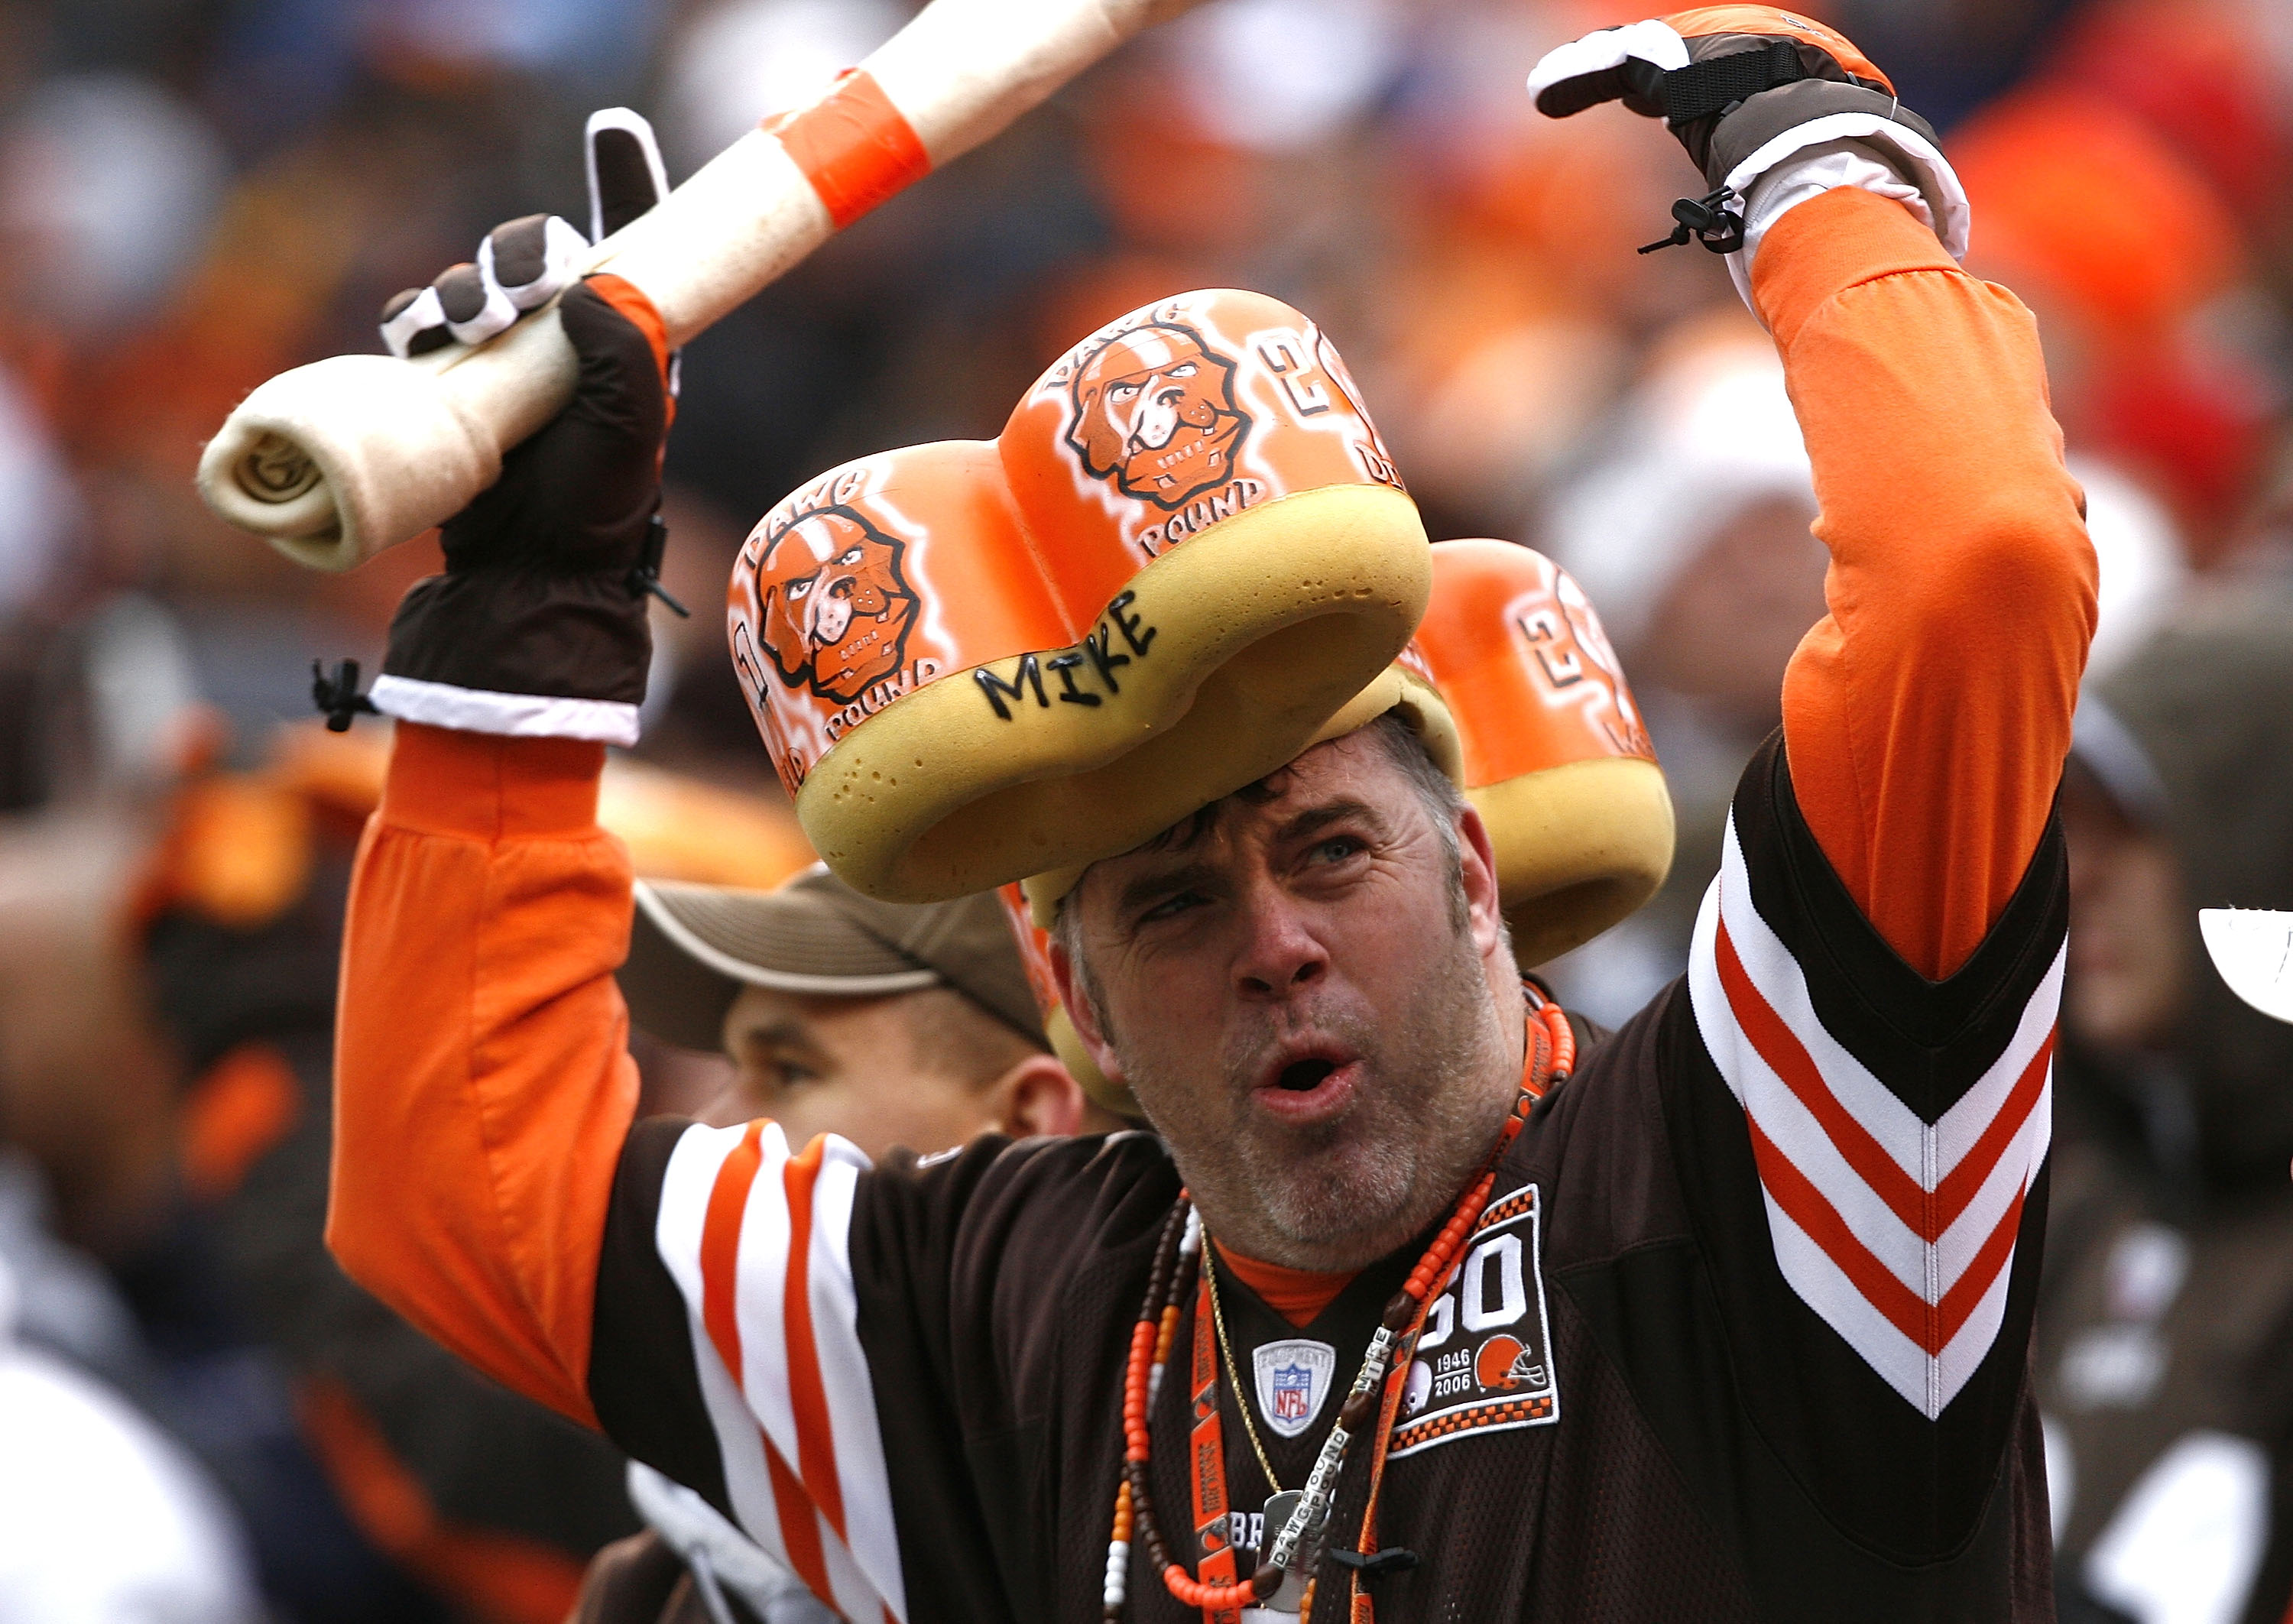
[1966, 1351]
[1893, 1124]
[740, 1445]
[1927, 1155]
[1901, 1362]
[691, 1175]
[859, 1445]
[1796, 1132]
[760, 1299]
[1956, 1247]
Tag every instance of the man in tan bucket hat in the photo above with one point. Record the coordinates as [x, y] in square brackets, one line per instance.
[888, 1024]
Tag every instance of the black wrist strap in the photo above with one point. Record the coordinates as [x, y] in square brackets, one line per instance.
[1720, 82]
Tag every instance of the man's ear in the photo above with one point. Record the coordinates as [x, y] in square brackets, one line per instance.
[1036, 1097]
[1477, 860]
[1082, 1016]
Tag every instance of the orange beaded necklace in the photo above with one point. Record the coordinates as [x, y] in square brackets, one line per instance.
[1296, 1549]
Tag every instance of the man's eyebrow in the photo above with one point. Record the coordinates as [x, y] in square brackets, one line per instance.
[785, 1032]
[1315, 819]
[1151, 888]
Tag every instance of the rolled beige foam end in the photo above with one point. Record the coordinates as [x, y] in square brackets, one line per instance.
[1261, 629]
[1578, 847]
[334, 462]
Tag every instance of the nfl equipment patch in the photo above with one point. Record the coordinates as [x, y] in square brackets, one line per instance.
[1485, 1361]
[1293, 1378]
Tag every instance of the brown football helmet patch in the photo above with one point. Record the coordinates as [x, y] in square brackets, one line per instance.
[1155, 412]
[835, 608]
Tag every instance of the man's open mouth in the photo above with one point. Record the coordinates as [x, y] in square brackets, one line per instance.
[1308, 1087]
[1303, 1076]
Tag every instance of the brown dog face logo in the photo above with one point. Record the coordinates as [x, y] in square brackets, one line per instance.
[835, 608]
[1155, 412]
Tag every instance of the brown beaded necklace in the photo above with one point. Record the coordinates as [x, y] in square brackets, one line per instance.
[1296, 1550]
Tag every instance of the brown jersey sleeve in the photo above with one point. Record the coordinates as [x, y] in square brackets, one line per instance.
[1928, 715]
[688, 1288]
[1856, 1083]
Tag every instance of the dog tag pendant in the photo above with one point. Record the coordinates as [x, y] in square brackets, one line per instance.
[1289, 1597]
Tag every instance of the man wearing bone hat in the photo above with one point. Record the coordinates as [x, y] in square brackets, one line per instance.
[1419, 1301]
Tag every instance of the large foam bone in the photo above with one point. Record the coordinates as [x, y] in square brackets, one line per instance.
[334, 462]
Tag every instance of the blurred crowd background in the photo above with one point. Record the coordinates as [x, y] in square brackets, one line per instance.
[200, 1420]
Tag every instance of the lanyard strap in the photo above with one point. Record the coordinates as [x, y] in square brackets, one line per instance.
[1206, 1464]
[1548, 1054]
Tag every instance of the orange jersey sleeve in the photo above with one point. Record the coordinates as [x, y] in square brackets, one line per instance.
[483, 1081]
[1925, 717]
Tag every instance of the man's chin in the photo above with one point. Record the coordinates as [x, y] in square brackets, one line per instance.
[1336, 1197]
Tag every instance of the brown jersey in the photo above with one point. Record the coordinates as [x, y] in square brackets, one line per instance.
[1743, 1332]
[1666, 1381]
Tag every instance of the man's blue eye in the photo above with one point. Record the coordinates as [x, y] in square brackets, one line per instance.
[1336, 849]
[1170, 906]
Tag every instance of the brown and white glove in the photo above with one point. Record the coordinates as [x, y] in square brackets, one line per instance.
[524, 263]
[1773, 108]
[539, 626]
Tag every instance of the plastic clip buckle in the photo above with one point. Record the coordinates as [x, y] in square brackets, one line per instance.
[337, 697]
[647, 576]
[1706, 220]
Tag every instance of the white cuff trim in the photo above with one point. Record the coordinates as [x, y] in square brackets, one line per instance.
[1859, 149]
[517, 715]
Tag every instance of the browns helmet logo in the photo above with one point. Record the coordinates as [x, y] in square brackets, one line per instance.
[1155, 412]
[1501, 1364]
[836, 608]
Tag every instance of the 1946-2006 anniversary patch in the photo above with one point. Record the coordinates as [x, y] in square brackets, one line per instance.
[1485, 1361]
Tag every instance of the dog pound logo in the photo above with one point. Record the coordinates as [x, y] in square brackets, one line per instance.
[1484, 1362]
[1154, 413]
[835, 608]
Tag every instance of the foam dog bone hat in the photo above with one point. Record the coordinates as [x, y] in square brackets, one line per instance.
[1556, 758]
[1513, 686]
[976, 660]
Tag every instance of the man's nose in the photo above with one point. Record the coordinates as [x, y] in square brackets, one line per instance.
[1279, 955]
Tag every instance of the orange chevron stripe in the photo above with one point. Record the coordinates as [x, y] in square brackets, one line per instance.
[1981, 1269]
[1789, 1058]
[1807, 1206]
[815, 1442]
[720, 1248]
[1958, 1187]
[799, 1526]
[1928, 1218]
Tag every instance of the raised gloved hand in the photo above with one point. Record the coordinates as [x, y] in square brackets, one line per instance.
[523, 264]
[538, 623]
[1753, 92]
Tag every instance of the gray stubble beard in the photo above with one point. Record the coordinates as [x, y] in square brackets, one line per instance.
[1342, 1194]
